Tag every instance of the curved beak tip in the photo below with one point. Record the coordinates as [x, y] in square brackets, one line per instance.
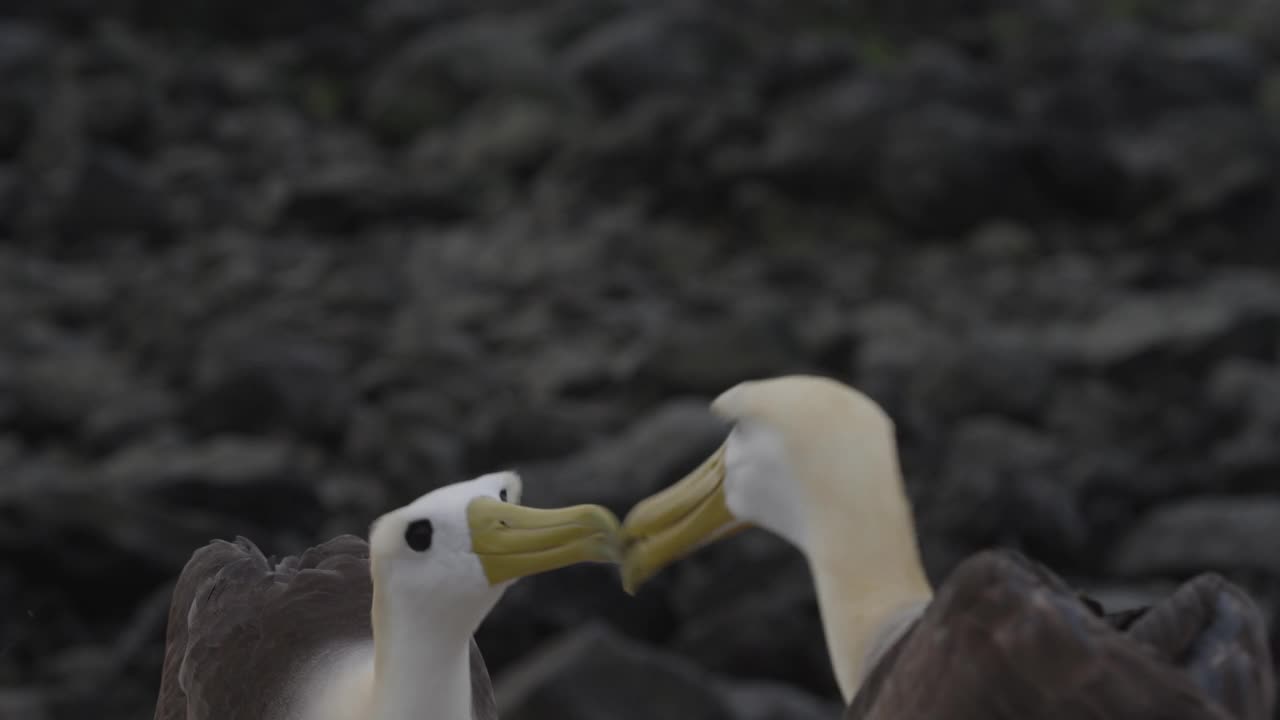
[632, 578]
[671, 523]
[516, 541]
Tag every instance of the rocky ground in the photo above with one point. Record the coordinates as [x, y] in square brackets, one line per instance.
[272, 268]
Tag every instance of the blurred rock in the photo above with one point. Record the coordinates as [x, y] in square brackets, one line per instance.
[1122, 71]
[734, 628]
[681, 153]
[770, 701]
[345, 198]
[404, 448]
[1247, 388]
[396, 19]
[894, 345]
[1228, 315]
[829, 139]
[1219, 63]
[74, 531]
[594, 672]
[113, 195]
[938, 168]
[246, 478]
[197, 180]
[262, 383]
[1247, 395]
[1003, 240]
[128, 416]
[24, 56]
[10, 197]
[85, 392]
[546, 605]
[124, 95]
[1124, 76]
[1006, 484]
[530, 434]
[708, 360]
[1002, 373]
[656, 450]
[497, 141]
[270, 271]
[441, 73]
[29, 704]
[806, 61]
[1195, 535]
[241, 20]
[620, 60]
[1194, 162]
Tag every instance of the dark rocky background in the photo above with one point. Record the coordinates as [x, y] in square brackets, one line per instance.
[272, 268]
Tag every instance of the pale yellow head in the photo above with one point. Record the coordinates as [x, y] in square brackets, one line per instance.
[815, 462]
[804, 451]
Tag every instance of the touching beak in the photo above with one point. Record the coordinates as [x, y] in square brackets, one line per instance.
[514, 541]
[674, 522]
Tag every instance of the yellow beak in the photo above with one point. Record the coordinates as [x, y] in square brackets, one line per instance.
[676, 521]
[514, 541]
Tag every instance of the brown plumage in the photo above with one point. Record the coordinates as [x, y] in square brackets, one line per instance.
[240, 627]
[1006, 638]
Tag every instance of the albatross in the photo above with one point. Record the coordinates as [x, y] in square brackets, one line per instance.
[381, 630]
[815, 462]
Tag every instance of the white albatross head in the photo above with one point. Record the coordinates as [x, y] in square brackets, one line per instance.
[453, 552]
[439, 565]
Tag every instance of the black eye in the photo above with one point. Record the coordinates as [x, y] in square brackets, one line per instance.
[418, 535]
[502, 494]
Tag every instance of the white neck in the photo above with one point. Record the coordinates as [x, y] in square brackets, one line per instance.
[420, 669]
[863, 553]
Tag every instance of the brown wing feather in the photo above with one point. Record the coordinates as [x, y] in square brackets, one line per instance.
[1005, 638]
[238, 625]
[1214, 632]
